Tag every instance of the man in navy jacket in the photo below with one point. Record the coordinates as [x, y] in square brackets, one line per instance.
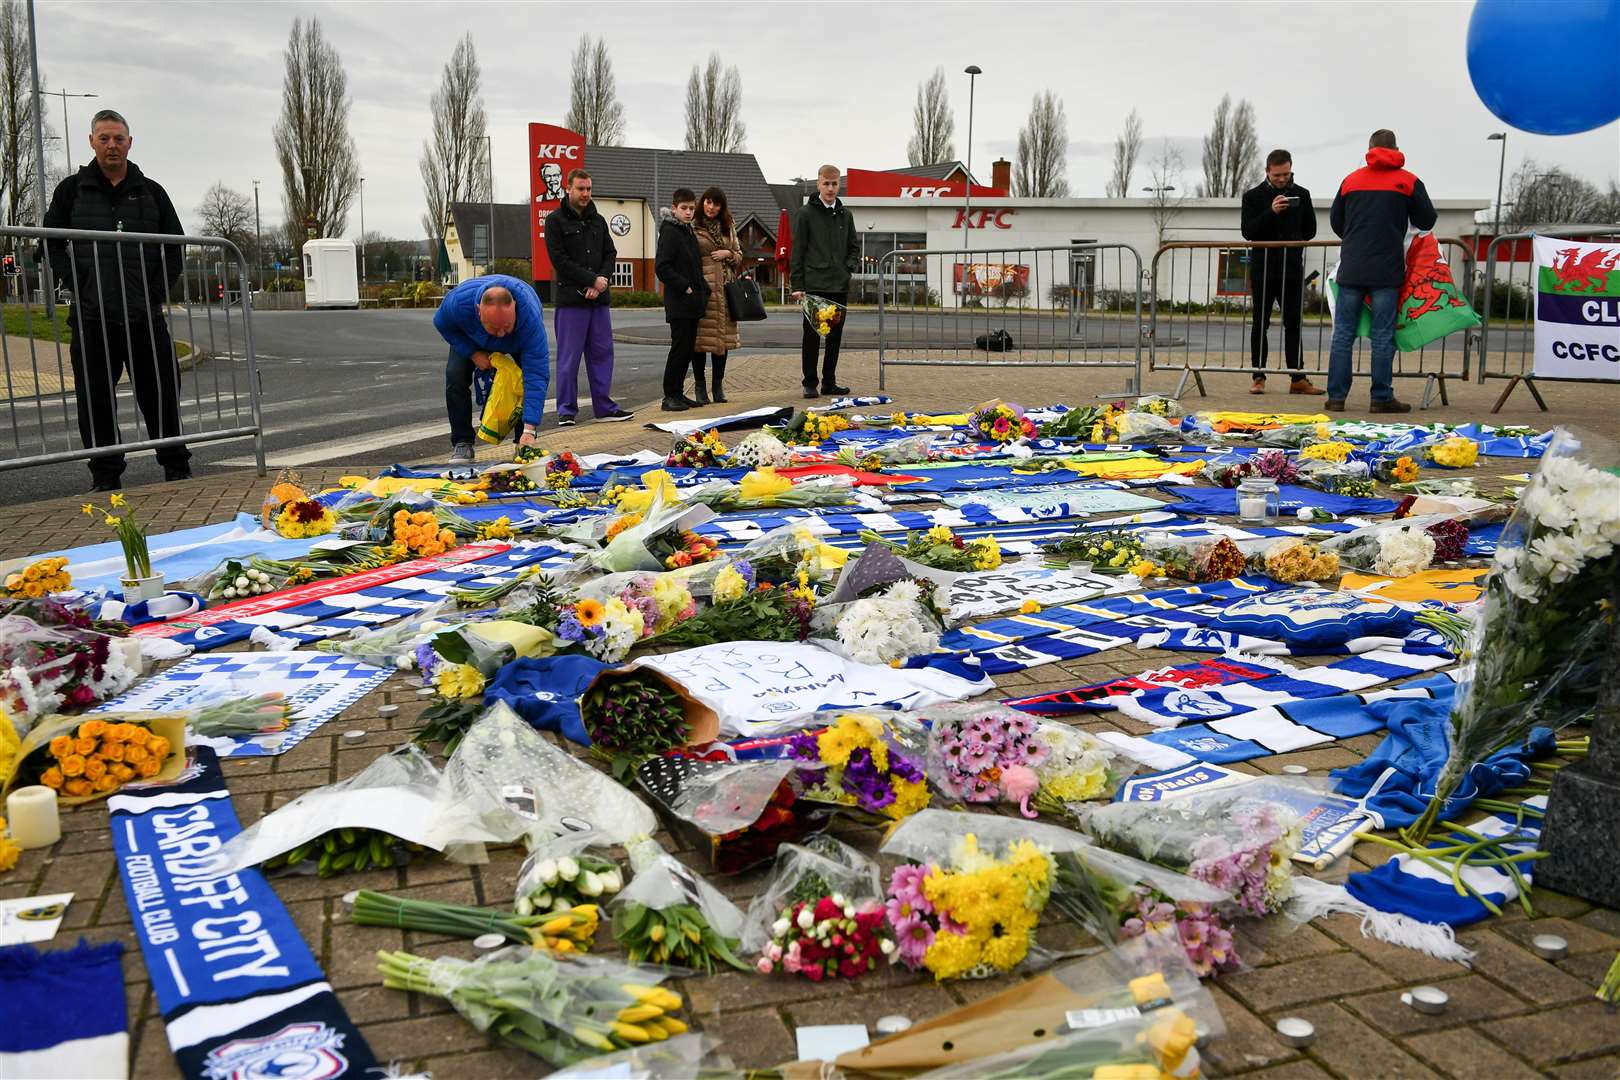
[1374, 206]
[484, 315]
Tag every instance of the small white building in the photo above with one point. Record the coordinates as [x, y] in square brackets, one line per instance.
[1029, 242]
[331, 276]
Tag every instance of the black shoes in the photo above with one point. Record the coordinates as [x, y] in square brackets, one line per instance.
[811, 392]
[674, 404]
[171, 475]
[1393, 405]
[832, 390]
[105, 485]
[614, 416]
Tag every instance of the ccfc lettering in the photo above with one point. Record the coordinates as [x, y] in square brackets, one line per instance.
[1584, 350]
[557, 150]
[982, 219]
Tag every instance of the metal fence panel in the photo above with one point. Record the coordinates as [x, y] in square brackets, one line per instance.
[163, 312]
[1202, 300]
[1507, 342]
[1075, 306]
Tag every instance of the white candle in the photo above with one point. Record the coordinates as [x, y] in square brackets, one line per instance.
[31, 814]
[1252, 508]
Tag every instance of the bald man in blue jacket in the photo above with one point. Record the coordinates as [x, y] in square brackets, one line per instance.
[484, 315]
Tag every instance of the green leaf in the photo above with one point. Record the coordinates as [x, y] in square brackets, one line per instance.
[453, 647]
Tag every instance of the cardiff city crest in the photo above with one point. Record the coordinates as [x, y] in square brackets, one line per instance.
[304, 1051]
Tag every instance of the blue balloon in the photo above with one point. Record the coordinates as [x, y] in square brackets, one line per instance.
[1547, 68]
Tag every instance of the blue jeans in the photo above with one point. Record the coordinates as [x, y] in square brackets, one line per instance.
[1346, 317]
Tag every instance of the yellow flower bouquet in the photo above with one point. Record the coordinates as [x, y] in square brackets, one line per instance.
[86, 758]
[39, 579]
[1457, 452]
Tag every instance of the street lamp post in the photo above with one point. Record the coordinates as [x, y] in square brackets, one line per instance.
[67, 151]
[258, 237]
[362, 230]
[489, 163]
[1501, 169]
[973, 71]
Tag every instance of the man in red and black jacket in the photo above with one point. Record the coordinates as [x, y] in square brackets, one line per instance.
[1374, 206]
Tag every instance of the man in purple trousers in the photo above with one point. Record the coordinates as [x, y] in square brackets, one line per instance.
[582, 256]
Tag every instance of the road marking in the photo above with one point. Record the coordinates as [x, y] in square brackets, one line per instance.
[340, 449]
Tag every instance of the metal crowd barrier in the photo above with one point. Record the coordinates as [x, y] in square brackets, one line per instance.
[1074, 307]
[1513, 334]
[164, 309]
[1201, 305]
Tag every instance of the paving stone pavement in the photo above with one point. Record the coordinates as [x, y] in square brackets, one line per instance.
[1512, 1014]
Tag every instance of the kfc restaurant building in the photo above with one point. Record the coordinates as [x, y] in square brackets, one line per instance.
[901, 213]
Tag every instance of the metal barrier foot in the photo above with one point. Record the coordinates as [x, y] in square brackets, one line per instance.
[1181, 387]
[1515, 380]
[1429, 386]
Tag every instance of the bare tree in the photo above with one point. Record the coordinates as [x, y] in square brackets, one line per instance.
[453, 165]
[1551, 196]
[19, 169]
[1164, 174]
[1043, 145]
[1231, 150]
[593, 95]
[933, 126]
[319, 173]
[1127, 148]
[714, 109]
[226, 212]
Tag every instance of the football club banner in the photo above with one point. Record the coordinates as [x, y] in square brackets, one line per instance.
[1577, 309]
[1431, 306]
[240, 994]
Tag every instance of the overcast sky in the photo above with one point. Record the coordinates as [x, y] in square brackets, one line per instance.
[201, 84]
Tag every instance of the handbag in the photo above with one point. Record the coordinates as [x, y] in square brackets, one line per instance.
[743, 300]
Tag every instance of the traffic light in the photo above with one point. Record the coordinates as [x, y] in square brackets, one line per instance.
[219, 291]
[9, 266]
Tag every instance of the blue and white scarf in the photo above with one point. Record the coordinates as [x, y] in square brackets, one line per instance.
[63, 1012]
[239, 991]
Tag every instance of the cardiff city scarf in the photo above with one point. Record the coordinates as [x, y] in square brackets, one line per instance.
[1396, 782]
[857, 402]
[1283, 728]
[240, 994]
[63, 1013]
[1207, 639]
[1218, 502]
[1099, 697]
[1408, 886]
[333, 607]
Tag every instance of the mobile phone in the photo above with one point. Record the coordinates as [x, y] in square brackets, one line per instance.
[1293, 200]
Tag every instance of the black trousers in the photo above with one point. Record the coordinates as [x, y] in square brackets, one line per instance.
[810, 344]
[101, 355]
[1285, 286]
[682, 349]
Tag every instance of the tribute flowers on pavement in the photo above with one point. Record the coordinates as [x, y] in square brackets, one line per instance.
[853, 763]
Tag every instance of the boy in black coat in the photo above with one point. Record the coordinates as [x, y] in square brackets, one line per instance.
[679, 265]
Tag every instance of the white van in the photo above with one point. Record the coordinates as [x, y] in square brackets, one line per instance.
[331, 278]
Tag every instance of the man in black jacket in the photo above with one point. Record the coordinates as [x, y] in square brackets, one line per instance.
[679, 265]
[1278, 209]
[826, 250]
[582, 256]
[119, 290]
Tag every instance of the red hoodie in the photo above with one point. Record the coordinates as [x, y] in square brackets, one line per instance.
[1371, 212]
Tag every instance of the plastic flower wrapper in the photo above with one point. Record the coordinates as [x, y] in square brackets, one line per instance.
[822, 314]
[968, 904]
[1135, 427]
[1001, 422]
[561, 1009]
[1389, 548]
[1539, 641]
[696, 450]
[86, 758]
[859, 760]
[1080, 767]
[1187, 559]
[670, 915]
[763, 488]
[783, 552]
[942, 549]
[693, 1056]
[397, 795]
[565, 871]
[1110, 551]
[1349, 477]
[51, 660]
[891, 626]
[396, 644]
[759, 448]
[511, 780]
[820, 867]
[736, 812]
[810, 427]
[1292, 560]
[1234, 838]
[1456, 452]
[983, 752]
[1158, 405]
[913, 449]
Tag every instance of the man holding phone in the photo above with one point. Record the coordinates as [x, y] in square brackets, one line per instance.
[1278, 209]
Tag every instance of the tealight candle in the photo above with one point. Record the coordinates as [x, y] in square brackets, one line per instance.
[1427, 999]
[31, 813]
[1547, 946]
[1296, 1031]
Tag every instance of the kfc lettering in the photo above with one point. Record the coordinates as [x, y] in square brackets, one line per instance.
[923, 192]
[552, 152]
[868, 183]
[979, 219]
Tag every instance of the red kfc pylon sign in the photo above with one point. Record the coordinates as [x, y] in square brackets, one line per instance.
[553, 151]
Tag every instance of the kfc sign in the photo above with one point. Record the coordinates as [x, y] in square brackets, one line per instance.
[552, 152]
[868, 183]
[983, 219]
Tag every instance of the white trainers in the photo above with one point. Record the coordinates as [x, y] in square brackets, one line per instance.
[461, 454]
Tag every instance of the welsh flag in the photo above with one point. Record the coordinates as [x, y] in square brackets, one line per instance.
[1431, 305]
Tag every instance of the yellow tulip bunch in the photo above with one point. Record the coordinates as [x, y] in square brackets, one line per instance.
[38, 579]
[419, 532]
[567, 931]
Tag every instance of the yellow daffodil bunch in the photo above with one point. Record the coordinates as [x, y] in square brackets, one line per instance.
[499, 529]
[38, 579]
[1327, 451]
[1456, 452]
[804, 591]
[419, 532]
[131, 537]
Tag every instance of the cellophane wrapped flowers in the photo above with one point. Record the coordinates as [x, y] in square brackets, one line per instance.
[759, 449]
[941, 549]
[633, 714]
[1450, 539]
[888, 627]
[827, 937]
[697, 450]
[973, 913]
[1079, 767]
[852, 763]
[1001, 422]
[606, 631]
[985, 753]
[1456, 452]
[1292, 560]
[39, 579]
[1270, 464]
